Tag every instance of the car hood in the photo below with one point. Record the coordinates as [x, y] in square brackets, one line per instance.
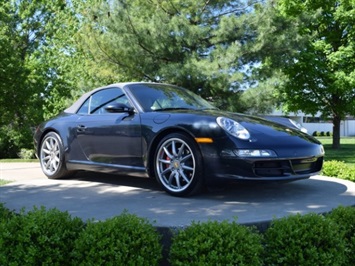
[258, 127]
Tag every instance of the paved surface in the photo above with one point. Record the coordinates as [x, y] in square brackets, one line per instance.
[100, 196]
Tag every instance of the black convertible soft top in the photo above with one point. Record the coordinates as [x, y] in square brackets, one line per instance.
[76, 105]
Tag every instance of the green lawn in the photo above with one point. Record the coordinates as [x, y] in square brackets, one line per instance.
[346, 153]
[4, 182]
[18, 160]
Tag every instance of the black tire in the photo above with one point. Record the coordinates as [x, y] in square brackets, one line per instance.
[51, 157]
[178, 165]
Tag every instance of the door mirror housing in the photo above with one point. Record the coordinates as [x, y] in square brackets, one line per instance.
[119, 108]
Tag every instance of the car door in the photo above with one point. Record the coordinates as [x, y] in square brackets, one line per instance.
[109, 138]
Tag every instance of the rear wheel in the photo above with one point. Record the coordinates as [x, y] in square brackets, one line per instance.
[178, 165]
[52, 156]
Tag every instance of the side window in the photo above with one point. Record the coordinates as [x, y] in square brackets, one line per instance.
[97, 102]
[84, 109]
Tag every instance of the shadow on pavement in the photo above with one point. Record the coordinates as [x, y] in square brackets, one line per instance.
[101, 196]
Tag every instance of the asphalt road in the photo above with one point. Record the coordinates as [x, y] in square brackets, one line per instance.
[101, 196]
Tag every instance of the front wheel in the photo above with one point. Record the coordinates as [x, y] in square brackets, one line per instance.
[178, 165]
[52, 156]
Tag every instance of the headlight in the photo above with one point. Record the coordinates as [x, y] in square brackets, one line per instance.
[255, 153]
[233, 128]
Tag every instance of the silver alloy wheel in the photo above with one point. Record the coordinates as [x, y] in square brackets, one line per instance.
[175, 164]
[50, 155]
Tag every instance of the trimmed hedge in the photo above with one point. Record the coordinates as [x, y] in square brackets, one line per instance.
[309, 239]
[122, 240]
[5, 213]
[345, 218]
[322, 134]
[216, 243]
[52, 237]
[38, 237]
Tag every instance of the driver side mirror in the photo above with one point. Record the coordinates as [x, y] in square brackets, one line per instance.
[119, 108]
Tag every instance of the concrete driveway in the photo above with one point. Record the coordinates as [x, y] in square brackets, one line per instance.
[101, 196]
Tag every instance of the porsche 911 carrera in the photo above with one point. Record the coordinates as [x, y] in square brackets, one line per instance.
[170, 134]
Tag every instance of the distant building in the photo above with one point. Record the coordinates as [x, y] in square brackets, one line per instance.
[316, 123]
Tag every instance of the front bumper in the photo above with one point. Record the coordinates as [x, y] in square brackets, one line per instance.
[270, 170]
[227, 165]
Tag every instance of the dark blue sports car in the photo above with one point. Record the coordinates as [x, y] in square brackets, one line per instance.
[171, 134]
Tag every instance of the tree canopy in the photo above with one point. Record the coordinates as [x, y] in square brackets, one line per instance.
[298, 53]
[313, 44]
[195, 44]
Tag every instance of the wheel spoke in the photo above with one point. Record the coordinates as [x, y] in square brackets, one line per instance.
[166, 170]
[48, 145]
[170, 179]
[177, 179]
[46, 151]
[52, 168]
[47, 164]
[181, 150]
[185, 167]
[173, 147]
[168, 153]
[165, 161]
[188, 156]
[184, 176]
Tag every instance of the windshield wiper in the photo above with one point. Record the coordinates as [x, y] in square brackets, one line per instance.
[173, 108]
[209, 108]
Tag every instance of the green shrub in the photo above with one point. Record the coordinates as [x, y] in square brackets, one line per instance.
[345, 218]
[338, 169]
[5, 213]
[315, 134]
[214, 243]
[123, 240]
[39, 237]
[26, 154]
[310, 239]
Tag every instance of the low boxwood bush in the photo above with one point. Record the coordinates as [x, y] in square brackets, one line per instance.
[338, 169]
[122, 240]
[216, 243]
[310, 239]
[345, 218]
[5, 213]
[38, 237]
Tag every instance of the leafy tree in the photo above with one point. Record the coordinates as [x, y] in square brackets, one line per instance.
[14, 73]
[194, 44]
[313, 43]
[263, 97]
[40, 65]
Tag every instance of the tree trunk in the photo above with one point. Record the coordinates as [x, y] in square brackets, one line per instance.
[336, 132]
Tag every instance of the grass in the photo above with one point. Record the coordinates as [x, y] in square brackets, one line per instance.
[18, 160]
[346, 153]
[4, 182]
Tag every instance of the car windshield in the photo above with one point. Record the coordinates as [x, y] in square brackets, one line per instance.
[158, 97]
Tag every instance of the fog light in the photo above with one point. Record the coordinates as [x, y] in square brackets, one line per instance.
[255, 153]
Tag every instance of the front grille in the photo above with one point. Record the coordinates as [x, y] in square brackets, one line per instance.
[287, 167]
